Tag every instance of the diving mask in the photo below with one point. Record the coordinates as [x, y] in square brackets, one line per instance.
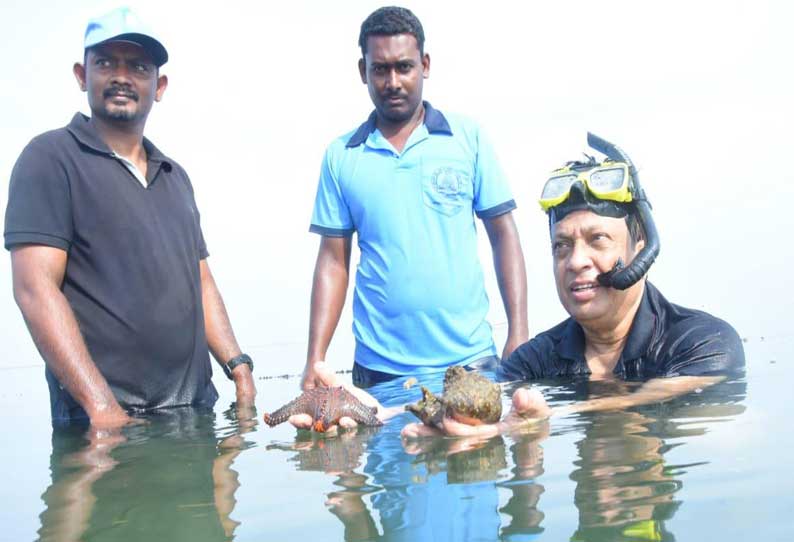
[610, 188]
[607, 181]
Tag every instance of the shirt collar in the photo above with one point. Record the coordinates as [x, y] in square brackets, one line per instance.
[434, 121]
[81, 128]
[571, 345]
[641, 329]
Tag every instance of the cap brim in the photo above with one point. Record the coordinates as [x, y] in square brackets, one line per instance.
[153, 47]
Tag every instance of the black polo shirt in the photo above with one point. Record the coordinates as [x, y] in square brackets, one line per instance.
[665, 340]
[132, 276]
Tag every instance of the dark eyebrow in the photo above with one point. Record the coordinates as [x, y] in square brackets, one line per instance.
[592, 230]
[408, 60]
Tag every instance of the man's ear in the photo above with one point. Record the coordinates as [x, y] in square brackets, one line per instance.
[362, 70]
[638, 246]
[426, 66]
[162, 84]
[79, 73]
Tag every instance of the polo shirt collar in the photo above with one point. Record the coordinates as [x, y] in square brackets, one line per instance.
[434, 121]
[641, 329]
[81, 128]
[571, 345]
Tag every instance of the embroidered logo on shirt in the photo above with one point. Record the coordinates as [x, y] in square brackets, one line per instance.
[447, 181]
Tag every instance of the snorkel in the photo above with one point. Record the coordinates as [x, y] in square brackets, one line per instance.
[610, 188]
[621, 276]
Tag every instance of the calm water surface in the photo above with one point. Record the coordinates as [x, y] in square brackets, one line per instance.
[711, 465]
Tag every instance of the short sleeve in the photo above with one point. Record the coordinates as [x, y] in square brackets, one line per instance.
[331, 216]
[39, 207]
[202, 244]
[702, 346]
[492, 196]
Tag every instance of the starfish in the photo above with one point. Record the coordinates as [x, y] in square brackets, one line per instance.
[325, 406]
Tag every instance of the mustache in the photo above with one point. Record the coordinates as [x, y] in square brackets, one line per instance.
[394, 94]
[120, 91]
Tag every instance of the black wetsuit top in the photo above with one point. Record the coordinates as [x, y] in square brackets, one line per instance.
[665, 340]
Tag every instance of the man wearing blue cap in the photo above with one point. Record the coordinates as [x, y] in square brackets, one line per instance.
[108, 258]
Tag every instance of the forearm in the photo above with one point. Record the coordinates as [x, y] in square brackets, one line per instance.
[512, 279]
[329, 290]
[220, 336]
[511, 274]
[656, 390]
[57, 336]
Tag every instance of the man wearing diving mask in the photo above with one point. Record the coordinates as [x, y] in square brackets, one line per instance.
[603, 241]
[620, 324]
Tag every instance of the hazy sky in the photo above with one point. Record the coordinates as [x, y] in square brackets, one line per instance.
[698, 93]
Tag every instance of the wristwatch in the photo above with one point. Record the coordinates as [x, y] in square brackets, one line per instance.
[234, 362]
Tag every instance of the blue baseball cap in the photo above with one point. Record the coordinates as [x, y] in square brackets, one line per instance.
[122, 24]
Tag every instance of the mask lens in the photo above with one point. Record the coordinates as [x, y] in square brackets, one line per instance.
[557, 186]
[607, 180]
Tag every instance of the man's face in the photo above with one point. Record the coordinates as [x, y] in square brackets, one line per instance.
[121, 80]
[584, 245]
[393, 70]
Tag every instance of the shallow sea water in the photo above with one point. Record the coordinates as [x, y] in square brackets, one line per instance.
[708, 466]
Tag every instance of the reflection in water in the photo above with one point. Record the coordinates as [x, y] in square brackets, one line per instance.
[431, 495]
[325, 453]
[175, 478]
[625, 491]
[348, 506]
[168, 479]
[464, 460]
[339, 456]
[70, 501]
[522, 506]
[443, 489]
[436, 489]
[243, 420]
[449, 489]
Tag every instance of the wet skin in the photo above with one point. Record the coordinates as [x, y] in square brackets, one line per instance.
[394, 71]
[584, 245]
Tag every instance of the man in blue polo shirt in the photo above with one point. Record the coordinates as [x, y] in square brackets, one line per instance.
[408, 182]
[108, 258]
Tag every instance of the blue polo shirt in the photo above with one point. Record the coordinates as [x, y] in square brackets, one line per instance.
[419, 303]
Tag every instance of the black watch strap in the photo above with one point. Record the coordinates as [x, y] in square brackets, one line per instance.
[234, 362]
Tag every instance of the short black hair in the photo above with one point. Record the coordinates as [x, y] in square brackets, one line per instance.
[636, 231]
[390, 21]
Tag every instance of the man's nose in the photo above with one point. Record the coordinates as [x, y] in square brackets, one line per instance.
[393, 79]
[121, 71]
[579, 258]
